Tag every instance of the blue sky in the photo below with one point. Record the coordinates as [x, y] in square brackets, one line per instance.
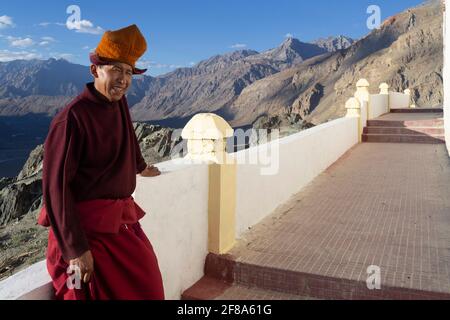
[179, 33]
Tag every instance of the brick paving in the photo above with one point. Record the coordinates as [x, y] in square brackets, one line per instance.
[384, 204]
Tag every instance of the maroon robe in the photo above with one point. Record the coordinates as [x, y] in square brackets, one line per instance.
[91, 153]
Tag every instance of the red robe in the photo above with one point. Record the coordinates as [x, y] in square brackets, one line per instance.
[91, 157]
[125, 265]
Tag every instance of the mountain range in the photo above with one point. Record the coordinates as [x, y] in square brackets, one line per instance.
[312, 80]
[405, 52]
[307, 83]
[45, 86]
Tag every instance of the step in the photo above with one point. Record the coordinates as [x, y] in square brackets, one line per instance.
[209, 288]
[417, 110]
[406, 123]
[223, 272]
[409, 130]
[404, 138]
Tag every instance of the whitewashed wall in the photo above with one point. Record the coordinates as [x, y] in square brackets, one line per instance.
[176, 203]
[399, 100]
[379, 104]
[364, 113]
[34, 281]
[176, 223]
[302, 157]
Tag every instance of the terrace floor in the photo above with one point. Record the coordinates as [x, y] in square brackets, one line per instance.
[380, 204]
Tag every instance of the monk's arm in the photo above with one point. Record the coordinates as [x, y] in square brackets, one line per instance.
[141, 166]
[140, 161]
[62, 152]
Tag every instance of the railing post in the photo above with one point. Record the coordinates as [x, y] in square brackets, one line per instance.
[362, 90]
[411, 102]
[363, 95]
[353, 107]
[206, 134]
[384, 89]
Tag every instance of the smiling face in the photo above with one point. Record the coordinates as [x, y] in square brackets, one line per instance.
[112, 80]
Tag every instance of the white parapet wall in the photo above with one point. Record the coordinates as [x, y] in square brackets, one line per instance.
[398, 100]
[378, 105]
[364, 114]
[33, 281]
[262, 187]
[176, 203]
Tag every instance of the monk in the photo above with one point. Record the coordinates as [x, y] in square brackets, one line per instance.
[96, 247]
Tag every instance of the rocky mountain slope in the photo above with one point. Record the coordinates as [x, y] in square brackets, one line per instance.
[406, 52]
[332, 44]
[22, 78]
[214, 84]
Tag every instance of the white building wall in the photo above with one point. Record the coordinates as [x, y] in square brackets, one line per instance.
[176, 223]
[379, 104]
[398, 100]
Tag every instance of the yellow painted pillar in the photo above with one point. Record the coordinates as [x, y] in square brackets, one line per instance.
[207, 134]
[222, 207]
[353, 107]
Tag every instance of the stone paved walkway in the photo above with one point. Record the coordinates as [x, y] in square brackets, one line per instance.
[383, 204]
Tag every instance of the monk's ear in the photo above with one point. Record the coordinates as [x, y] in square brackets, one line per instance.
[94, 70]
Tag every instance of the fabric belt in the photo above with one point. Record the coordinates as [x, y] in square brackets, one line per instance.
[103, 215]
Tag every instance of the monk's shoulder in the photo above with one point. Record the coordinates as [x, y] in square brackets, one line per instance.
[69, 113]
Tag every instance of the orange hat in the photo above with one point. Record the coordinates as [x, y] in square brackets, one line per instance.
[125, 45]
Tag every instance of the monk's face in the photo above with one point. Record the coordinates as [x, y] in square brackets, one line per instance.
[112, 80]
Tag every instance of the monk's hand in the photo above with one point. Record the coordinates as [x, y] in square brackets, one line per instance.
[86, 265]
[150, 171]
